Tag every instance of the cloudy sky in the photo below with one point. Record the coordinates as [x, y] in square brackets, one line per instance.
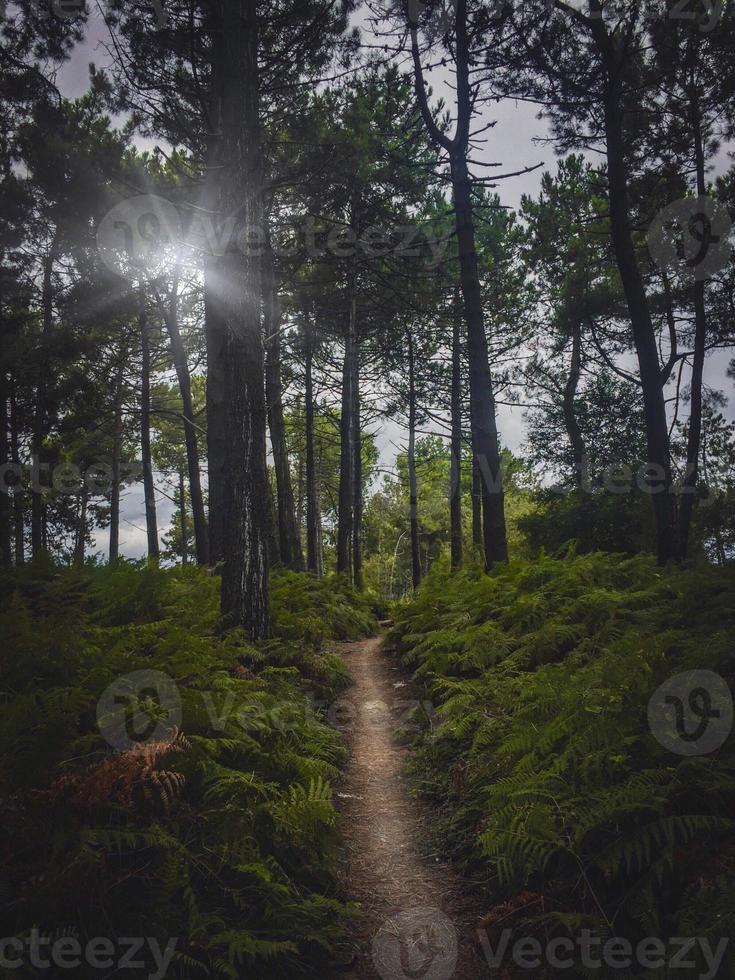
[516, 141]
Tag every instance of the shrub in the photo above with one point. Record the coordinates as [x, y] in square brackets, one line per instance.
[551, 786]
[222, 835]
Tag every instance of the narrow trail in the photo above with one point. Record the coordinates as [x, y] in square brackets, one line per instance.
[416, 923]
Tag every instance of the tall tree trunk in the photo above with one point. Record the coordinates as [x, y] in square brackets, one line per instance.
[574, 431]
[244, 597]
[214, 326]
[40, 414]
[184, 522]
[482, 400]
[181, 366]
[644, 335]
[483, 424]
[455, 474]
[274, 543]
[18, 509]
[413, 496]
[357, 575]
[476, 505]
[289, 534]
[312, 515]
[694, 435]
[80, 540]
[5, 546]
[347, 447]
[319, 529]
[114, 548]
[149, 490]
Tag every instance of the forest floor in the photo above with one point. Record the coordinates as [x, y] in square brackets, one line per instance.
[417, 919]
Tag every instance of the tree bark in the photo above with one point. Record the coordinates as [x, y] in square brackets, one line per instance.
[312, 514]
[149, 490]
[80, 540]
[114, 548]
[413, 496]
[357, 575]
[455, 473]
[476, 505]
[482, 402]
[694, 435]
[18, 509]
[181, 366]
[40, 414]
[574, 432]
[244, 597]
[5, 546]
[289, 535]
[184, 522]
[644, 335]
[347, 448]
[214, 327]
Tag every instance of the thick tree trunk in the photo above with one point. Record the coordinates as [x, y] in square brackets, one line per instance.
[117, 430]
[245, 526]
[181, 365]
[184, 521]
[694, 435]
[455, 473]
[149, 489]
[413, 495]
[347, 448]
[289, 535]
[40, 414]
[312, 514]
[482, 401]
[661, 484]
[574, 432]
[18, 509]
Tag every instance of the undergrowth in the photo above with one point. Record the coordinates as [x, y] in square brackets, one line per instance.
[220, 835]
[551, 787]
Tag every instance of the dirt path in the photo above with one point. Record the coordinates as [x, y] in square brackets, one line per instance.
[415, 922]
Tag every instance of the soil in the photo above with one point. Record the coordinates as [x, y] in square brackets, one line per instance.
[417, 920]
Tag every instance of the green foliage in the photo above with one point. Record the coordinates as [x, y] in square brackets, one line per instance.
[549, 780]
[223, 837]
